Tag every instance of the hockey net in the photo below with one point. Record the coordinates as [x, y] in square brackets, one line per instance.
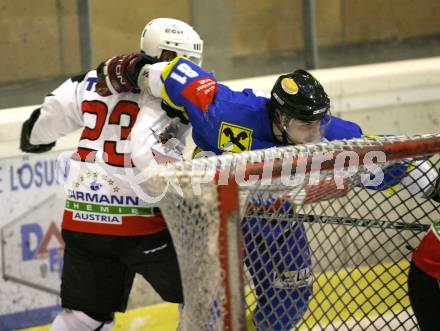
[301, 237]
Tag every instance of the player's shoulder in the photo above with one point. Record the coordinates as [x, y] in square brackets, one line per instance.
[85, 77]
[182, 71]
[84, 81]
[342, 129]
[185, 84]
[246, 100]
[179, 60]
[85, 85]
[82, 76]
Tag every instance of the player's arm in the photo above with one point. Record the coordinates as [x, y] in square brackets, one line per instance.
[187, 87]
[124, 73]
[419, 177]
[339, 129]
[58, 115]
[25, 137]
[179, 83]
[155, 138]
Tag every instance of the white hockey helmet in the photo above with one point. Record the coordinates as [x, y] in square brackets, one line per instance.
[173, 35]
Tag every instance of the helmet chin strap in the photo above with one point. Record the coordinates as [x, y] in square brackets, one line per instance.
[286, 139]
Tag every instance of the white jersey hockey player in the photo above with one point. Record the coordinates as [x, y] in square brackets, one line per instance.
[109, 232]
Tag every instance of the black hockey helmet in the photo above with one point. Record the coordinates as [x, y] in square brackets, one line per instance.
[299, 95]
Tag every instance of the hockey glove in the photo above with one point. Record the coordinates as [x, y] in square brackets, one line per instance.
[26, 129]
[120, 73]
[172, 113]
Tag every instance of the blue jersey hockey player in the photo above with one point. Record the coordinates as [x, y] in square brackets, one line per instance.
[227, 121]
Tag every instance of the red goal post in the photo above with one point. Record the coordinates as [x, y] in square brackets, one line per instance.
[329, 249]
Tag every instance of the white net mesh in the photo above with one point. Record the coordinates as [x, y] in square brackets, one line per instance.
[195, 232]
[328, 251]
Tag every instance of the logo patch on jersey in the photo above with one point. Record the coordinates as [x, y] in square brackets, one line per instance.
[96, 218]
[289, 86]
[234, 138]
[200, 92]
[293, 279]
[95, 181]
[95, 186]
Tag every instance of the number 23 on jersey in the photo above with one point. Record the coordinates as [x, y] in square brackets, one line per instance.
[101, 131]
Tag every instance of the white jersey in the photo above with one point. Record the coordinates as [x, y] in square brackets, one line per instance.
[119, 134]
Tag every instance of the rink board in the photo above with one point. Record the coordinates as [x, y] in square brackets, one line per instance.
[31, 250]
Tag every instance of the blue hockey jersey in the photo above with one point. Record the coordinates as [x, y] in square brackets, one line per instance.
[277, 254]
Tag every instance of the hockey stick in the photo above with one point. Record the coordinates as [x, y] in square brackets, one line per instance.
[347, 221]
